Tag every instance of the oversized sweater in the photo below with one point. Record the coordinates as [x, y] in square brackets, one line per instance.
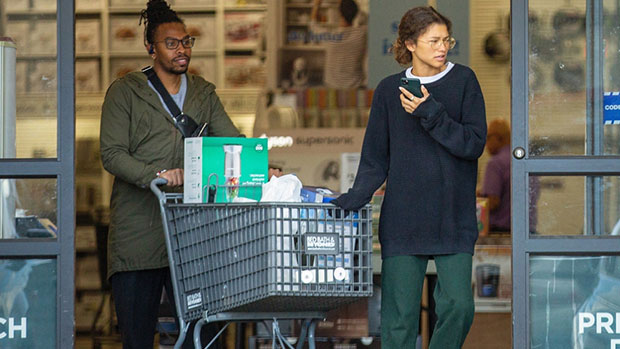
[430, 161]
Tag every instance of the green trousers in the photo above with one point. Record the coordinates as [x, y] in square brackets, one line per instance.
[402, 279]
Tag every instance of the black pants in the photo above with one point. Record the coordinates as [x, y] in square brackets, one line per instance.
[137, 296]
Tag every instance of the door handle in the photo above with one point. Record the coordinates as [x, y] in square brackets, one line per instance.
[518, 153]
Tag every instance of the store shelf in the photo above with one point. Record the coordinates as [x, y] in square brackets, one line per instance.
[493, 305]
[179, 9]
[246, 8]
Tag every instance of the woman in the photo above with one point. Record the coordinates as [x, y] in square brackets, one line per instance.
[427, 148]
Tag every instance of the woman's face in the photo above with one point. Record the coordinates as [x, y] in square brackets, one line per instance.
[430, 50]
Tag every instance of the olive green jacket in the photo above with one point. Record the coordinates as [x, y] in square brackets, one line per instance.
[138, 139]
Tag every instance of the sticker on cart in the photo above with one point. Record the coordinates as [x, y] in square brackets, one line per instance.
[307, 276]
[340, 274]
[321, 243]
[194, 300]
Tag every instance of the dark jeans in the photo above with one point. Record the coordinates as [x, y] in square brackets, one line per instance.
[137, 296]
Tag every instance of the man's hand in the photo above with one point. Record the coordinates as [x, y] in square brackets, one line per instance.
[174, 177]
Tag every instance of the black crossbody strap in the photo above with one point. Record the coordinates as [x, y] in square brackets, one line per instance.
[159, 86]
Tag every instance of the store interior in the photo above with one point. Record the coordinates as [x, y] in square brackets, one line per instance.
[254, 52]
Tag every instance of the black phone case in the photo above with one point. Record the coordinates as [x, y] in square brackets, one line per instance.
[415, 89]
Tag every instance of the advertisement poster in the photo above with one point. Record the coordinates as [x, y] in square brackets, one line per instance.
[27, 303]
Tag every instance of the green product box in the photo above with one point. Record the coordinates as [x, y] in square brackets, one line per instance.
[236, 167]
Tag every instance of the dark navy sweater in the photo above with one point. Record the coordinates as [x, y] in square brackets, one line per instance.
[430, 161]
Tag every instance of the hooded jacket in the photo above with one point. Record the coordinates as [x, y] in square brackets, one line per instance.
[138, 138]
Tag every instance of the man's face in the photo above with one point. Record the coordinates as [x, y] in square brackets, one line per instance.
[173, 61]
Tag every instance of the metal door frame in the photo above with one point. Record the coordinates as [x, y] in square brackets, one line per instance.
[62, 168]
[593, 164]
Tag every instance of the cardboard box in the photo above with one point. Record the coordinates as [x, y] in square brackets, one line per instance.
[87, 75]
[202, 28]
[203, 66]
[81, 5]
[121, 66]
[21, 76]
[16, 6]
[244, 72]
[316, 194]
[240, 166]
[19, 31]
[243, 30]
[127, 3]
[43, 77]
[43, 37]
[88, 36]
[126, 35]
[49, 5]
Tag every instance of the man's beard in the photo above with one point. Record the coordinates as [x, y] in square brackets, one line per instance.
[173, 69]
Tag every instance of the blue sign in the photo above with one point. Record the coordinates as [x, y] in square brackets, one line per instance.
[611, 108]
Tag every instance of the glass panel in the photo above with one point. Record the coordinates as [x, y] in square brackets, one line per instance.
[558, 79]
[574, 302]
[29, 116]
[28, 303]
[559, 205]
[28, 208]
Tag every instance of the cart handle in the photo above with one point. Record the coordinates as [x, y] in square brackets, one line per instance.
[155, 183]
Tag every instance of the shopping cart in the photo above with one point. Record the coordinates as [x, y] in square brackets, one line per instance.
[264, 261]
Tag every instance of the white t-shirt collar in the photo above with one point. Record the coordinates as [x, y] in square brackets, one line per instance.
[429, 79]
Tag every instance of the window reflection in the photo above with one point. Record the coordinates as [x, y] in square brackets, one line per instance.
[561, 104]
[574, 301]
[559, 205]
[30, 112]
[28, 208]
[28, 303]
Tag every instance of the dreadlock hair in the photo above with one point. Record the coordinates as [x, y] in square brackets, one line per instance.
[157, 12]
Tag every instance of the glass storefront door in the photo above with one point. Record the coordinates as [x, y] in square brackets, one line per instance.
[566, 173]
[37, 210]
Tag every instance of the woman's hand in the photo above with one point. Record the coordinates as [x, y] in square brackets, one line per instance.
[410, 102]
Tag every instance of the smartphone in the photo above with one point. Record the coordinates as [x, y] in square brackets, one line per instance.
[412, 85]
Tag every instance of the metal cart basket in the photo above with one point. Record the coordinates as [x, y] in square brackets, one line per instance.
[255, 261]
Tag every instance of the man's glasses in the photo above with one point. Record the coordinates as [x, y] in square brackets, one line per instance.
[448, 42]
[172, 43]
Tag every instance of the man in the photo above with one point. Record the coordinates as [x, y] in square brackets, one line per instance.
[139, 142]
[496, 184]
[345, 47]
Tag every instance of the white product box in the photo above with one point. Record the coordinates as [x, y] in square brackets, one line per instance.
[128, 3]
[87, 75]
[243, 30]
[16, 5]
[203, 29]
[121, 66]
[244, 72]
[88, 36]
[194, 3]
[43, 77]
[19, 31]
[43, 37]
[349, 162]
[88, 4]
[241, 3]
[44, 5]
[203, 66]
[21, 76]
[126, 35]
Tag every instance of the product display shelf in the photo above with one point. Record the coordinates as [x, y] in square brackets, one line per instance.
[109, 43]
